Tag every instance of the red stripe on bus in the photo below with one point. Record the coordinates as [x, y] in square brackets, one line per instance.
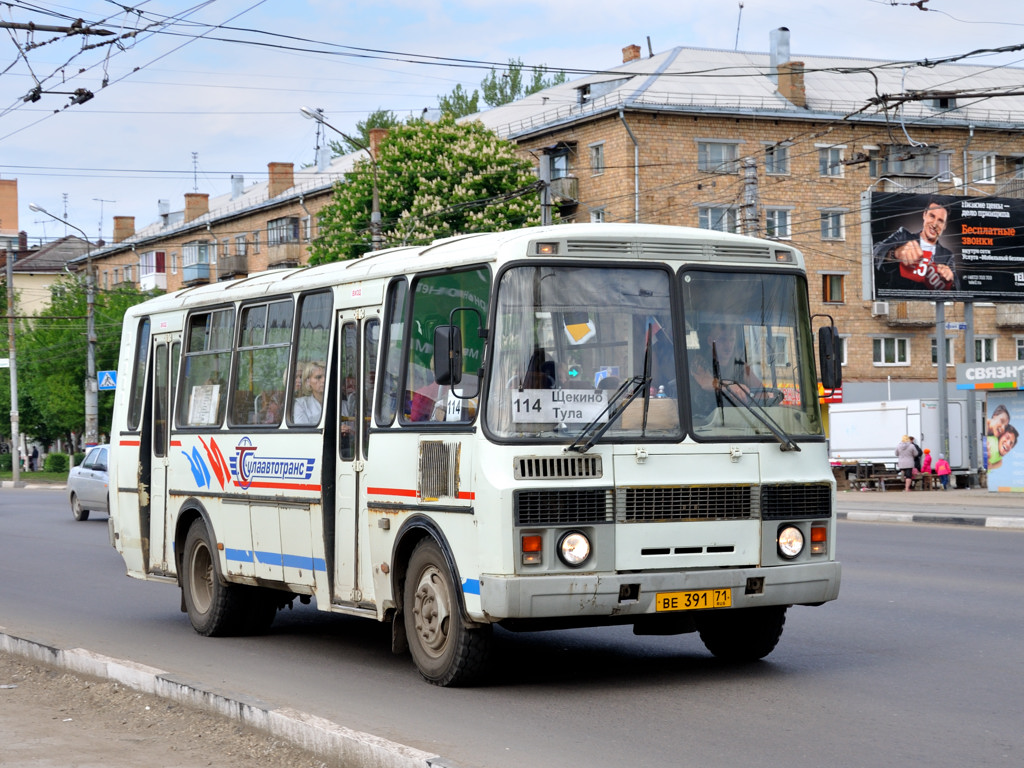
[130, 443]
[175, 443]
[467, 495]
[391, 492]
[283, 486]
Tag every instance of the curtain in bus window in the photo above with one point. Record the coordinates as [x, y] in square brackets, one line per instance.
[310, 373]
[435, 298]
[207, 363]
[261, 370]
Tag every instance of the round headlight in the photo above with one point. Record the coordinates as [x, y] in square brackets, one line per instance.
[574, 549]
[791, 542]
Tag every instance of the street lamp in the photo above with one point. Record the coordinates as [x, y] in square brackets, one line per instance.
[91, 389]
[315, 113]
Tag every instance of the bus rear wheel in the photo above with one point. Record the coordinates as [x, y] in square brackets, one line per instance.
[215, 609]
[445, 650]
[742, 635]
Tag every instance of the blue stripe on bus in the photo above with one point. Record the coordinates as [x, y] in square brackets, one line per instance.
[471, 586]
[276, 558]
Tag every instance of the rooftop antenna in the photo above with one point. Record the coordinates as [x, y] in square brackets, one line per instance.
[739, 17]
[101, 201]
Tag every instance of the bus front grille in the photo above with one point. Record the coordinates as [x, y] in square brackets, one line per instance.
[563, 507]
[674, 503]
[808, 502]
[556, 467]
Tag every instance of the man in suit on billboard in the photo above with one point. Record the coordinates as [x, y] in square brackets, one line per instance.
[908, 260]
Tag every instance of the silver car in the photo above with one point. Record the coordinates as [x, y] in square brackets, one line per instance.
[87, 484]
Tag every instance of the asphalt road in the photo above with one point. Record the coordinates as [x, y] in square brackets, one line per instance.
[916, 663]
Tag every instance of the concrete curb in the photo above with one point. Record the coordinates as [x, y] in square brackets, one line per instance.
[321, 737]
[992, 521]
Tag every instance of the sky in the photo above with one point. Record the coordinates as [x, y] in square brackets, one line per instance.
[208, 90]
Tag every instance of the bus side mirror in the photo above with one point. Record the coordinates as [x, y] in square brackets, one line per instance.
[448, 354]
[830, 366]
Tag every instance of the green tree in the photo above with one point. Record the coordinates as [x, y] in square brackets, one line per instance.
[435, 180]
[500, 88]
[52, 358]
[381, 118]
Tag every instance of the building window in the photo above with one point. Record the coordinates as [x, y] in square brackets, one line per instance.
[597, 215]
[128, 273]
[240, 245]
[174, 263]
[776, 223]
[776, 159]
[597, 159]
[197, 252]
[830, 161]
[225, 247]
[307, 228]
[949, 352]
[983, 168]
[891, 350]
[1020, 348]
[985, 350]
[106, 280]
[832, 289]
[256, 241]
[560, 164]
[151, 263]
[833, 225]
[717, 156]
[719, 218]
[117, 275]
[284, 230]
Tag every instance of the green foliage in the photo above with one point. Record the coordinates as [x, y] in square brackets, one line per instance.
[78, 457]
[56, 462]
[435, 180]
[510, 85]
[459, 102]
[6, 462]
[381, 118]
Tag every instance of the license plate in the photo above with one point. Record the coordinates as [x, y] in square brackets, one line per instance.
[693, 600]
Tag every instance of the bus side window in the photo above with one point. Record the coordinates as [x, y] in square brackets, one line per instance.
[307, 385]
[348, 407]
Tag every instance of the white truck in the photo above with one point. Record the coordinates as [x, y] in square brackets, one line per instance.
[868, 432]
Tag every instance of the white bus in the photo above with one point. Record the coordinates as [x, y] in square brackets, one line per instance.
[568, 426]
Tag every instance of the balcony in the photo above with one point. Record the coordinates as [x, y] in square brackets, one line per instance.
[195, 273]
[565, 190]
[1010, 315]
[284, 255]
[911, 313]
[153, 281]
[232, 266]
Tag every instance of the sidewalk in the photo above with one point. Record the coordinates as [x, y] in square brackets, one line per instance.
[965, 506]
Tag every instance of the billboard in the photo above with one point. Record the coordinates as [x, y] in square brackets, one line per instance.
[947, 248]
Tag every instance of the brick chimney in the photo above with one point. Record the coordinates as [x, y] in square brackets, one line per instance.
[196, 204]
[282, 177]
[377, 136]
[124, 227]
[791, 83]
[630, 53]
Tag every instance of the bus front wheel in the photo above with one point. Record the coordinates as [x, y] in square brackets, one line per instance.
[214, 608]
[445, 650]
[742, 635]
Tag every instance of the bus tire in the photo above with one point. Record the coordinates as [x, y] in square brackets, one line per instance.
[214, 608]
[77, 510]
[261, 609]
[445, 650]
[744, 634]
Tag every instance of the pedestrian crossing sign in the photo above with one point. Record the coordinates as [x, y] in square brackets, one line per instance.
[107, 379]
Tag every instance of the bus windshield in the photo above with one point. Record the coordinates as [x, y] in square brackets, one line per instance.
[591, 352]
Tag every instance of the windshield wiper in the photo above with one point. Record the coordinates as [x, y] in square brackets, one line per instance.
[785, 441]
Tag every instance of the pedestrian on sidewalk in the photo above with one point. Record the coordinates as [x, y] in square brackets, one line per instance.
[906, 453]
[942, 469]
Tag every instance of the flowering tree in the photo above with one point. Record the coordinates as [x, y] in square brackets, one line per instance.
[434, 180]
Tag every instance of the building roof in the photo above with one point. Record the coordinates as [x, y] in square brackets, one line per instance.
[719, 81]
[53, 257]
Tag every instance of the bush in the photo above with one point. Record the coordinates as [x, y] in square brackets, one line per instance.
[79, 458]
[56, 462]
[6, 465]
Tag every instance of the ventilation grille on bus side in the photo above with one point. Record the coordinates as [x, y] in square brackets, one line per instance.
[695, 502]
[564, 507]
[556, 467]
[780, 502]
[742, 252]
[439, 470]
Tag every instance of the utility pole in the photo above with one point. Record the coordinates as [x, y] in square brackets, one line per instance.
[750, 197]
[545, 188]
[15, 432]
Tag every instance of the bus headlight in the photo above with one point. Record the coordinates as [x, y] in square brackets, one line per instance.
[791, 542]
[574, 549]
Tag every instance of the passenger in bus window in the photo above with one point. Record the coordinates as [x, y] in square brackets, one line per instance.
[307, 409]
[719, 366]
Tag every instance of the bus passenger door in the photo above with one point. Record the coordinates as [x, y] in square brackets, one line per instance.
[165, 365]
[358, 353]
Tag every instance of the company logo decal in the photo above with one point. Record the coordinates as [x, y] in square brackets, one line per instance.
[200, 469]
[248, 466]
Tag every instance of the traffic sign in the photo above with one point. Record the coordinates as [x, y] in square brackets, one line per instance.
[107, 379]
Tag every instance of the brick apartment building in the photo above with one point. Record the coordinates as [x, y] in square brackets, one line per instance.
[760, 143]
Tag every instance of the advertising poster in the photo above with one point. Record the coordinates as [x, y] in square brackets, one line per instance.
[943, 247]
[1001, 456]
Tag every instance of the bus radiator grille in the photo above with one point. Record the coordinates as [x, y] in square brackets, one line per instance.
[563, 507]
[439, 470]
[808, 502]
[693, 502]
[556, 467]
